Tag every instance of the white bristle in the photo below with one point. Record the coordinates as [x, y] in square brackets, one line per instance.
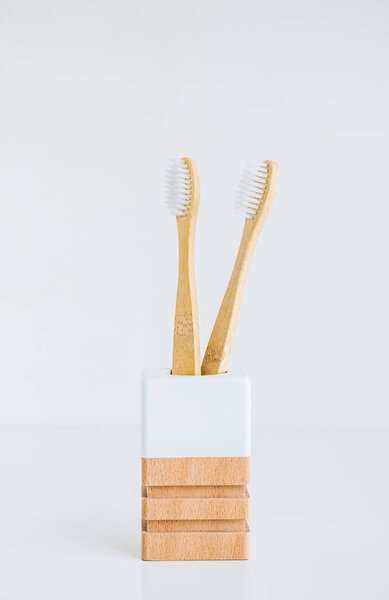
[178, 187]
[251, 189]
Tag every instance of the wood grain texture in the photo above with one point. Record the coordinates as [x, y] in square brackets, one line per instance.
[194, 508]
[195, 525]
[220, 343]
[194, 491]
[195, 545]
[186, 341]
[230, 470]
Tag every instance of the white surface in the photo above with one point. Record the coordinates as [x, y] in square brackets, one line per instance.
[195, 416]
[70, 520]
[96, 97]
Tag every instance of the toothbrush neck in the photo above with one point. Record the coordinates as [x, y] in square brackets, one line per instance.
[186, 251]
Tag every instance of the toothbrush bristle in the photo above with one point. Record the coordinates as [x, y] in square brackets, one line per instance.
[252, 189]
[178, 187]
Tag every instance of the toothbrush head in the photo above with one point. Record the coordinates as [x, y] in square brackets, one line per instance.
[179, 187]
[256, 190]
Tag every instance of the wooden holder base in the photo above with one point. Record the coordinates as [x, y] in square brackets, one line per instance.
[195, 508]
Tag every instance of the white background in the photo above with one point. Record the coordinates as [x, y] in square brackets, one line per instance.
[96, 97]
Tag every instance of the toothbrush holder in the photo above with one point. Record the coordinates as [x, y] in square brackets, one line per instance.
[195, 466]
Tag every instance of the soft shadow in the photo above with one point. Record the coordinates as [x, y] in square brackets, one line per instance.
[103, 536]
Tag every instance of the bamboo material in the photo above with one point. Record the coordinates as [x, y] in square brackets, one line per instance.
[220, 470]
[186, 341]
[194, 491]
[195, 508]
[220, 343]
[195, 545]
[195, 525]
[178, 509]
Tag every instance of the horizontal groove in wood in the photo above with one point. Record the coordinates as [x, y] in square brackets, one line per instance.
[194, 491]
[231, 470]
[195, 525]
[194, 508]
[195, 546]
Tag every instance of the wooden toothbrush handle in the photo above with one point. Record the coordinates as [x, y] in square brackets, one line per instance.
[186, 342]
[220, 343]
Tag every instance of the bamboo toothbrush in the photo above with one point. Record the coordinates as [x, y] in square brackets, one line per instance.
[254, 200]
[183, 196]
